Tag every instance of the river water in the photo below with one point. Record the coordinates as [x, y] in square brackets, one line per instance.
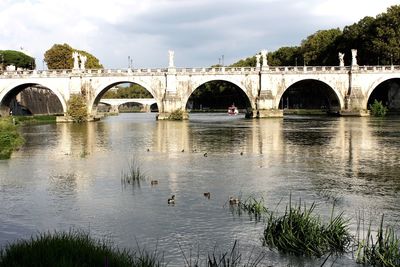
[68, 176]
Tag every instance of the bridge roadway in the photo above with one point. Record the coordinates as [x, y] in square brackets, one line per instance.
[171, 87]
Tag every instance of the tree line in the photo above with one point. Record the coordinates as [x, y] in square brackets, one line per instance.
[376, 39]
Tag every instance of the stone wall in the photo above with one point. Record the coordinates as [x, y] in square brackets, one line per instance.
[37, 101]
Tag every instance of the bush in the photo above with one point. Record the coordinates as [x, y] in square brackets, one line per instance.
[176, 115]
[10, 138]
[378, 109]
[77, 108]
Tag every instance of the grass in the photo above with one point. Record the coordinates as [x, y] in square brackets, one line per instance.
[35, 119]
[253, 207]
[134, 175]
[72, 248]
[383, 251]
[299, 232]
[77, 248]
[10, 138]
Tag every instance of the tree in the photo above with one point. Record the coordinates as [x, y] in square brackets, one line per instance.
[315, 48]
[285, 56]
[16, 58]
[77, 108]
[60, 57]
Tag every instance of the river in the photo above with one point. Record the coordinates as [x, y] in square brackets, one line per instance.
[68, 176]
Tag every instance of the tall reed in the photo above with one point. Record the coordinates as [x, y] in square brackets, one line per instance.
[134, 175]
[300, 232]
[383, 251]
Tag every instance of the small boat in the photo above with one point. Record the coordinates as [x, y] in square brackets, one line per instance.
[232, 110]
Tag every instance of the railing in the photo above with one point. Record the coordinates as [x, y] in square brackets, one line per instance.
[200, 71]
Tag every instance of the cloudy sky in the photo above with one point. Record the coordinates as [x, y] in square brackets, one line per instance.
[199, 31]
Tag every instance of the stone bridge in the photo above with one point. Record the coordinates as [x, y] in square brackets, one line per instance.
[171, 87]
[116, 102]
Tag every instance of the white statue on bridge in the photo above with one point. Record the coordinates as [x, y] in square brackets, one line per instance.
[75, 56]
[354, 57]
[264, 58]
[258, 65]
[83, 61]
[341, 59]
[171, 59]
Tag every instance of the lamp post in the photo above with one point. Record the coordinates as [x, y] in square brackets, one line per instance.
[222, 60]
[129, 62]
[391, 59]
[295, 60]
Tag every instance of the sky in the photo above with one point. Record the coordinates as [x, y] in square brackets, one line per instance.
[200, 32]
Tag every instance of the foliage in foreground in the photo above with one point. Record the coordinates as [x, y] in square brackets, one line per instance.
[77, 109]
[378, 109]
[10, 138]
[383, 251]
[68, 249]
[300, 232]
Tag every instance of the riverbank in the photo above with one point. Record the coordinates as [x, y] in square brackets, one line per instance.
[10, 138]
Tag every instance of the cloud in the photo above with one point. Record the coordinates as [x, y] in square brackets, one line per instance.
[200, 31]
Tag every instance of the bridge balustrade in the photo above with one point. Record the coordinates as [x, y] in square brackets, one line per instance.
[215, 70]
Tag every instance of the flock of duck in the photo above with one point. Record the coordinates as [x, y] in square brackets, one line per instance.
[171, 200]
[232, 200]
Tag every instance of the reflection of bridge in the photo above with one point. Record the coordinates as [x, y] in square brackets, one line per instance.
[116, 102]
[349, 87]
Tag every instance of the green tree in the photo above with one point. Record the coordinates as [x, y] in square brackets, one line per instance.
[16, 58]
[77, 108]
[286, 56]
[315, 48]
[60, 57]
[10, 138]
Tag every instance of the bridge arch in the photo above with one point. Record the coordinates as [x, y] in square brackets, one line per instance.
[197, 84]
[15, 88]
[102, 89]
[333, 98]
[375, 86]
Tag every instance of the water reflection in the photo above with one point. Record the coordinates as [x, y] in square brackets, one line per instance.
[69, 175]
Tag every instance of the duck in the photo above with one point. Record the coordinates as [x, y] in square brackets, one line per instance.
[205, 154]
[148, 150]
[207, 195]
[154, 182]
[241, 153]
[233, 201]
[183, 150]
[171, 200]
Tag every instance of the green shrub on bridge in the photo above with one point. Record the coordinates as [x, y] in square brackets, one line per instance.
[77, 108]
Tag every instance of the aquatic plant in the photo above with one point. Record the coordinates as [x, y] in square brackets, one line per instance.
[73, 248]
[300, 232]
[253, 207]
[378, 109]
[232, 258]
[383, 251]
[134, 175]
[10, 138]
[176, 115]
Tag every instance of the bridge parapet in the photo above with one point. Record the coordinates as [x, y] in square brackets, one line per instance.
[183, 71]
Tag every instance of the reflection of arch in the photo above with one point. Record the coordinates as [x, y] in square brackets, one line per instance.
[336, 94]
[102, 89]
[14, 89]
[197, 85]
[375, 84]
